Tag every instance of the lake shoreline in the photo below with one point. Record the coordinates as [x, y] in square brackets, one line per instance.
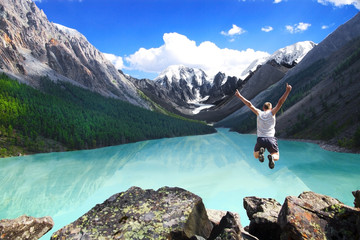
[324, 145]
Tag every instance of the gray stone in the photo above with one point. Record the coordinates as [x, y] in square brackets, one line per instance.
[168, 213]
[316, 216]
[25, 227]
[263, 214]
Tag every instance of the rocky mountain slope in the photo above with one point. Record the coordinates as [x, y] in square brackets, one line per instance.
[324, 101]
[32, 47]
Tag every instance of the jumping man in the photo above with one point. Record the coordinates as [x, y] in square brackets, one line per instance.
[266, 127]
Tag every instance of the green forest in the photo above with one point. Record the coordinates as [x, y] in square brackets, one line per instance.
[74, 118]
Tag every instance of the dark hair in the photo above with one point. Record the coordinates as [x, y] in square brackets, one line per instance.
[267, 106]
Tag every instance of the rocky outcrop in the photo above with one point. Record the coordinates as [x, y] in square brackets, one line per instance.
[316, 216]
[174, 213]
[168, 213]
[309, 216]
[25, 227]
[263, 214]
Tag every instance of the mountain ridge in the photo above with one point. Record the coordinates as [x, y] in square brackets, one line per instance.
[32, 47]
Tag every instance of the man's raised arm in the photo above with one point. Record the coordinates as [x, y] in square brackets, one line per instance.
[282, 99]
[247, 103]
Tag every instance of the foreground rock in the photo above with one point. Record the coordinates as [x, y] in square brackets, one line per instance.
[174, 213]
[25, 227]
[263, 214]
[168, 213]
[309, 216]
[316, 216]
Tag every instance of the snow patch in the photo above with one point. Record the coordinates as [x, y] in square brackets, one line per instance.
[200, 107]
[69, 31]
[293, 53]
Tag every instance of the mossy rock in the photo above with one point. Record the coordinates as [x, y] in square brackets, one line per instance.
[168, 213]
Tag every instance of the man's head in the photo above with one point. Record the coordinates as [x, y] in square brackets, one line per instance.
[267, 106]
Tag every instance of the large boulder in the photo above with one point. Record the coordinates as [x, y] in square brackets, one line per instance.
[316, 216]
[25, 227]
[168, 213]
[263, 214]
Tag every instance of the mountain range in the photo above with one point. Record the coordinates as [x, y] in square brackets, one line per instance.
[322, 105]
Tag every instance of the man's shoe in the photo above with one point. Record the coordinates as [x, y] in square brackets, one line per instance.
[271, 161]
[261, 154]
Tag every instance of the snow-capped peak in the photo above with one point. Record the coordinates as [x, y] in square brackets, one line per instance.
[69, 31]
[287, 55]
[177, 72]
[293, 53]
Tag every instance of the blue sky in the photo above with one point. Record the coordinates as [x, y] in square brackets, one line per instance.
[143, 37]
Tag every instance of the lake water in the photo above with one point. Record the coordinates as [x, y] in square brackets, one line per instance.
[219, 167]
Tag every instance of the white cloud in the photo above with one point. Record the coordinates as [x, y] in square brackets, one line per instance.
[296, 28]
[340, 3]
[277, 1]
[327, 26]
[303, 26]
[235, 30]
[178, 49]
[267, 29]
[116, 60]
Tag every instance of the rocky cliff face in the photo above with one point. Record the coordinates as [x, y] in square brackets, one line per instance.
[32, 47]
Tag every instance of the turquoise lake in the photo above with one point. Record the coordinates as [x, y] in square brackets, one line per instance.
[218, 167]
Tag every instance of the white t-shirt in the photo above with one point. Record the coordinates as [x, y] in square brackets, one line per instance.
[266, 124]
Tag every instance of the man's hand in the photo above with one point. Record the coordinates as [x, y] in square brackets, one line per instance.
[237, 93]
[288, 87]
